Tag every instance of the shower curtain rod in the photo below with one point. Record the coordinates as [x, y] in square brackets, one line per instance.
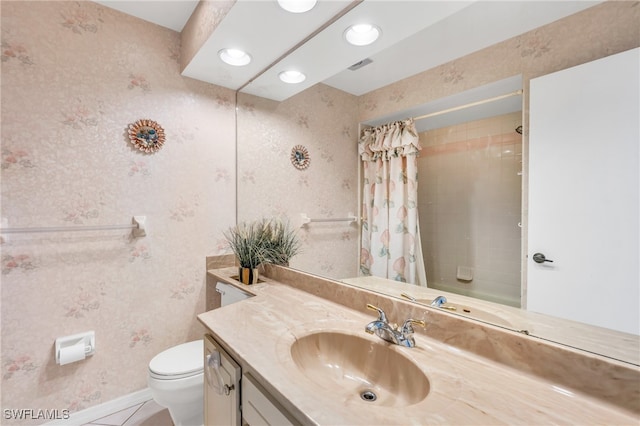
[469, 105]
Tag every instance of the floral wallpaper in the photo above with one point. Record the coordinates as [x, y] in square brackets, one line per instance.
[323, 120]
[74, 75]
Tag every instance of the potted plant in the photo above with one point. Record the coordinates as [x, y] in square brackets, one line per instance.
[282, 242]
[247, 241]
[261, 241]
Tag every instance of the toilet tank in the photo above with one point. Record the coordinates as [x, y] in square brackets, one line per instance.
[230, 294]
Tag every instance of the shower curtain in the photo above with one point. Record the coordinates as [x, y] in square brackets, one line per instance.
[389, 205]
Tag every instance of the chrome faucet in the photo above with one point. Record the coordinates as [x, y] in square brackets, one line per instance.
[439, 301]
[390, 332]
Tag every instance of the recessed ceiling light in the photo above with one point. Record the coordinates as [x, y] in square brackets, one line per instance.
[235, 57]
[292, 76]
[362, 34]
[297, 6]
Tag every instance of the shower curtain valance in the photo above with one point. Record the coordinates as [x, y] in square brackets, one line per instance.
[397, 139]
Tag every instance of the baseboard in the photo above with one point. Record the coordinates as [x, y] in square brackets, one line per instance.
[101, 410]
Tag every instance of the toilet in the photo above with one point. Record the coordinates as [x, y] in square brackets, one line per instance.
[176, 381]
[176, 375]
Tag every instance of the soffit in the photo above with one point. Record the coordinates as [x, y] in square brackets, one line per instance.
[416, 36]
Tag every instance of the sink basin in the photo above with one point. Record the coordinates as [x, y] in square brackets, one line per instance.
[358, 369]
[471, 312]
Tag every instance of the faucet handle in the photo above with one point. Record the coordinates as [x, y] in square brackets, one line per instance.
[381, 315]
[408, 296]
[407, 327]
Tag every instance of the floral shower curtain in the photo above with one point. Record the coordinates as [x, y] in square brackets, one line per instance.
[389, 156]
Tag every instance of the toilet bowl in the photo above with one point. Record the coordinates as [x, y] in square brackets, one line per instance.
[176, 381]
[176, 376]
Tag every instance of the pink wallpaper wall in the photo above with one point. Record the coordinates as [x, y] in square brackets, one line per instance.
[322, 119]
[74, 75]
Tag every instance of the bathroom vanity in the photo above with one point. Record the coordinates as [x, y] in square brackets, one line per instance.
[305, 358]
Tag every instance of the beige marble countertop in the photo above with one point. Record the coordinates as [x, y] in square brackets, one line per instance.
[599, 340]
[464, 388]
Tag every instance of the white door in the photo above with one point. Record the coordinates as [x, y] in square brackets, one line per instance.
[584, 193]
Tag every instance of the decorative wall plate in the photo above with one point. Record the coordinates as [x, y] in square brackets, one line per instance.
[146, 135]
[300, 157]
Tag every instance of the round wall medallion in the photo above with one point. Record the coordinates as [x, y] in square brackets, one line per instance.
[146, 135]
[300, 157]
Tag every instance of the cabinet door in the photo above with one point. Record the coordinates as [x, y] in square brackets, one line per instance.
[259, 408]
[221, 386]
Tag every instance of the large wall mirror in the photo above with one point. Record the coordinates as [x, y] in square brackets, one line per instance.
[475, 232]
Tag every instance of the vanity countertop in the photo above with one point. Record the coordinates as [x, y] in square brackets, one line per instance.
[612, 343]
[465, 388]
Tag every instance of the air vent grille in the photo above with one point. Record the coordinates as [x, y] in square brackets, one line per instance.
[360, 64]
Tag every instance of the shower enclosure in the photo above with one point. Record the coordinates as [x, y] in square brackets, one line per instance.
[469, 204]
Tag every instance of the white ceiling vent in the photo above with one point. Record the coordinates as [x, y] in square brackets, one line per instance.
[360, 64]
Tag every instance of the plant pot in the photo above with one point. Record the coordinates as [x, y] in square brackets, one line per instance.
[248, 275]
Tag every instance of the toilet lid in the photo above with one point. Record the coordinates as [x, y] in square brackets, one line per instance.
[182, 360]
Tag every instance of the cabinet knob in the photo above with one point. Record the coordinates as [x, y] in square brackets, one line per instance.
[228, 389]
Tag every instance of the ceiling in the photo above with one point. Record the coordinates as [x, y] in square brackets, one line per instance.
[416, 35]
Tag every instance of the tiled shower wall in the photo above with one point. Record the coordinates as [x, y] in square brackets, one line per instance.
[74, 75]
[469, 202]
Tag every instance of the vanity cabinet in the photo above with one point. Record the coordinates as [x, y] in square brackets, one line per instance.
[259, 408]
[221, 386]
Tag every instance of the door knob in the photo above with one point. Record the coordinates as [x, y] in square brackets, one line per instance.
[540, 258]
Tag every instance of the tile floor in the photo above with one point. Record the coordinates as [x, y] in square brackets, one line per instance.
[144, 414]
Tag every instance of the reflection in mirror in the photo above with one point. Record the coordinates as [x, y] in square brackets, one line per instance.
[469, 202]
[325, 120]
[603, 341]
[469, 205]
[326, 241]
[308, 189]
[469, 190]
